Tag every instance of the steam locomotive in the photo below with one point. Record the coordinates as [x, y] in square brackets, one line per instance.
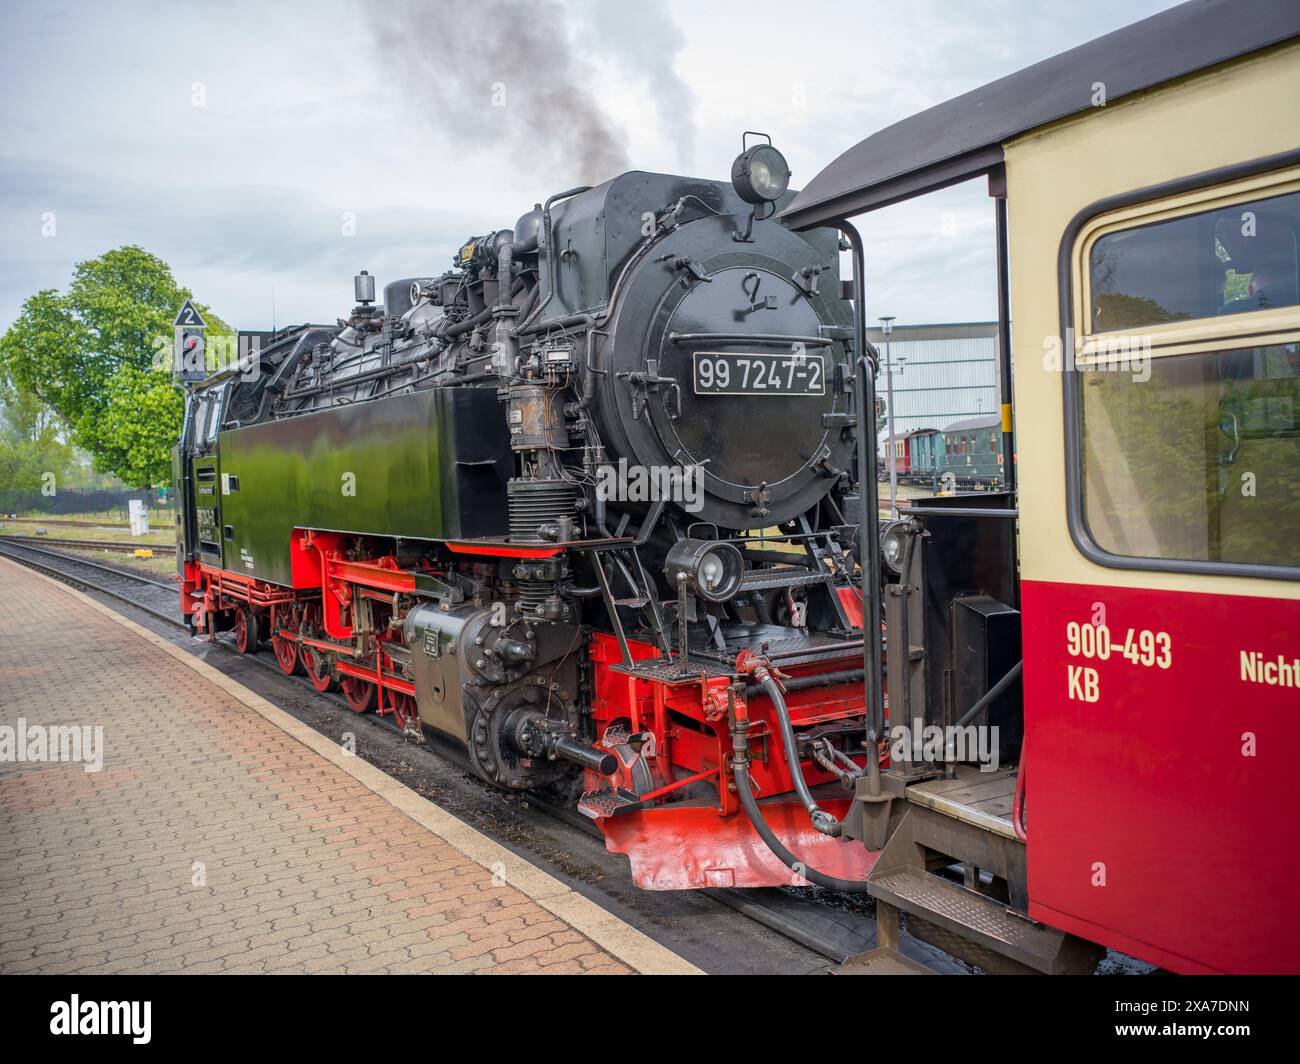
[586, 504]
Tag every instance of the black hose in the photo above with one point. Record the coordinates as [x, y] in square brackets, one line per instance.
[819, 679]
[823, 821]
[746, 792]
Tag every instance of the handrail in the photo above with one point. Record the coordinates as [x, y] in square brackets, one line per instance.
[1018, 802]
[955, 511]
[755, 338]
[864, 395]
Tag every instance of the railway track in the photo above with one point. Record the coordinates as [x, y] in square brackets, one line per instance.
[832, 925]
[93, 544]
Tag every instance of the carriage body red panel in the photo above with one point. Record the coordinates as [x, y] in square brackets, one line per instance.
[1161, 787]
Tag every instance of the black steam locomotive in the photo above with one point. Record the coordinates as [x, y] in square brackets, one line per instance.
[585, 503]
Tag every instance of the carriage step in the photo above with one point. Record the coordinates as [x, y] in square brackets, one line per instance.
[970, 916]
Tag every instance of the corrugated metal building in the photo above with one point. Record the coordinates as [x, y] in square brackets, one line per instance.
[942, 373]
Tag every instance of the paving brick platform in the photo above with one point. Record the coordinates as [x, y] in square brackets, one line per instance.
[223, 835]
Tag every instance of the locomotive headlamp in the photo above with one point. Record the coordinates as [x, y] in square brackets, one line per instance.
[760, 174]
[893, 544]
[713, 569]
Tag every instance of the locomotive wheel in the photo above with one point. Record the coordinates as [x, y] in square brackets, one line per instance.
[360, 694]
[405, 714]
[286, 650]
[245, 630]
[317, 670]
[314, 662]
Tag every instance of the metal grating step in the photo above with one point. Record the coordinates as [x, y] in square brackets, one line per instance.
[598, 804]
[970, 916]
[766, 579]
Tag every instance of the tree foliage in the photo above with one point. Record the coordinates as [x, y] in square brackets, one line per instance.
[32, 454]
[90, 355]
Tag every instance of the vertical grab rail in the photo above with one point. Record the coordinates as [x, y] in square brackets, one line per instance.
[1018, 802]
[866, 363]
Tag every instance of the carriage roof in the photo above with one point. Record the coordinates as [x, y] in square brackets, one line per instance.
[963, 137]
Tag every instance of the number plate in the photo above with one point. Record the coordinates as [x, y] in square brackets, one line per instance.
[747, 373]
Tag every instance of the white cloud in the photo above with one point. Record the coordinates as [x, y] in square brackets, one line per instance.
[305, 117]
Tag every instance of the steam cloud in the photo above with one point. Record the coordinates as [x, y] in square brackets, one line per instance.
[454, 57]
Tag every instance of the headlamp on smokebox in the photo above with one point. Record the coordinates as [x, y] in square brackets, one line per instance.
[713, 569]
[760, 174]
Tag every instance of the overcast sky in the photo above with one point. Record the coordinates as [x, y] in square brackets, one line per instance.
[242, 141]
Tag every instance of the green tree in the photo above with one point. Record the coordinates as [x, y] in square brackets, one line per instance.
[141, 421]
[92, 356]
[33, 455]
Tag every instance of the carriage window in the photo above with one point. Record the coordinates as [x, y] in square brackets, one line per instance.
[1229, 260]
[1201, 462]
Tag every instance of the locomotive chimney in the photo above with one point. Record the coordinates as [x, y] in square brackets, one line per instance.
[364, 285]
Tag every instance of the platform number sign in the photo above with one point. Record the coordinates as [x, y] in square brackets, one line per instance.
[190, 364]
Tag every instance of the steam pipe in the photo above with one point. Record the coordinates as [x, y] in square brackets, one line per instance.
[588, 367]
[544, 234]
[577, 319]
[505, 259]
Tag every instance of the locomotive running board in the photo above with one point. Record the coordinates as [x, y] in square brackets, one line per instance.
[693, 848]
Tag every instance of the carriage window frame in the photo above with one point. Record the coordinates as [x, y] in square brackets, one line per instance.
[1222, 188]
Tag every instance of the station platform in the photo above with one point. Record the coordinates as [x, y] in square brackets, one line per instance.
[218, 833]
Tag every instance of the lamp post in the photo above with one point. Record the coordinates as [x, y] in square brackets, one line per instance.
[886, 328]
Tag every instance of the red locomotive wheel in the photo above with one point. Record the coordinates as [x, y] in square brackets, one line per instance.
[286, 650]
[405, 714]
[359, 693]
[245, 630]
[317, 669]
[315, 662]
